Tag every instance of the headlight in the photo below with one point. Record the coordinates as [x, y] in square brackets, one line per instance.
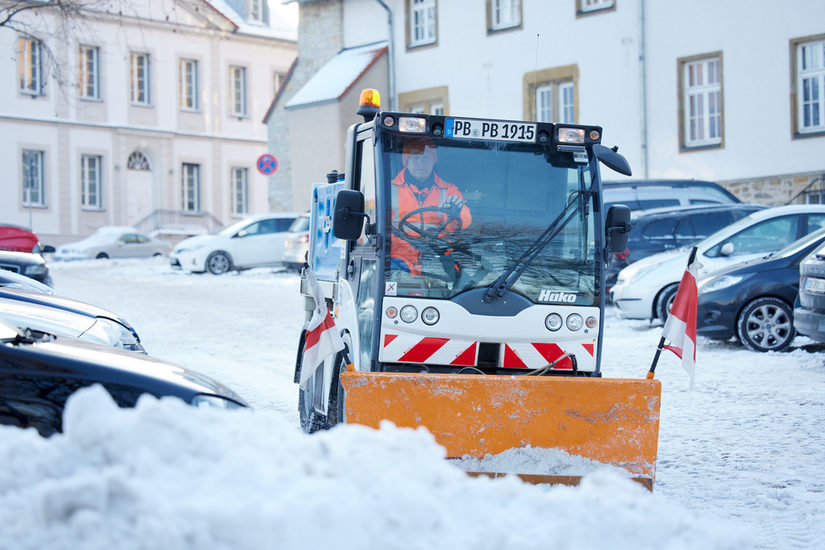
[430, 316]
[409, 314]
[574, 321]
[213, 401]
[115, 333]
[37, 269]
[718, 283]
[553, 322]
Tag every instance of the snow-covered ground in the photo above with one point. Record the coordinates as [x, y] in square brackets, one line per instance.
[740, 457]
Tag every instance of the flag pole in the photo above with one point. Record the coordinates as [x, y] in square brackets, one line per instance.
[652, 371]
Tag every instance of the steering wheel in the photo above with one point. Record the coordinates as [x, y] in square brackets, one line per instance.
[426, 236]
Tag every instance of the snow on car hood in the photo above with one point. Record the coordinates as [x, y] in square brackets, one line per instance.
[668, 260]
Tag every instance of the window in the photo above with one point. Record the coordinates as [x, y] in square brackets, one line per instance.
[701, 85]
[138, 161]
[551, 94]
[770, 234]
[810, 87]
[422, 22]
[588, 6]
[31, 66]
[430, 101]
[190, 187]
[256, 11]
[33, 180]
[89, 78]
[237, 91]
[189, 84]
[139, 69]
[239, 178]
[503, 14]
[90, 177]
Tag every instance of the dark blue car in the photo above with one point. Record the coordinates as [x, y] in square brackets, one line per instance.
[754, 301]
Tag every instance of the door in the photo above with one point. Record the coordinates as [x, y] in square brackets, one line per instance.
[139, 195]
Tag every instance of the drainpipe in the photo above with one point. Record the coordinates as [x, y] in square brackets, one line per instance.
[643, 76]
[390, 54]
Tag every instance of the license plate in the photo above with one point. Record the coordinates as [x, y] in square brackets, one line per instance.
[493, 130]
[813, 284]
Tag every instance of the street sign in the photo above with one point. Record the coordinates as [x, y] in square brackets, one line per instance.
[267, 164]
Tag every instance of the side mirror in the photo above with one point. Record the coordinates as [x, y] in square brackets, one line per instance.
[612, 159]
[727, 249]
[348, 218]
[240, 234]
[48, 248]
[617, 228]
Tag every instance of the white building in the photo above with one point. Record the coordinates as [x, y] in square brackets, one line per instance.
[147, 113]
[729, 91]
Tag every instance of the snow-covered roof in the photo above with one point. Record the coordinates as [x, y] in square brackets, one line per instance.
[339, 75]
[279, 27]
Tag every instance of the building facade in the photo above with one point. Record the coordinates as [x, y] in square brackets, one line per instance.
[732, 92]
[144, 113]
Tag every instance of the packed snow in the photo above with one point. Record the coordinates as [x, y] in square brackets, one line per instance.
[739, 465]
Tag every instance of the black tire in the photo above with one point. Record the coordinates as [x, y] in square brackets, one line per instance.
[665, 301]
[335, 410]
[102, 256]
[766, 324]
[218, 263]
[311, 420]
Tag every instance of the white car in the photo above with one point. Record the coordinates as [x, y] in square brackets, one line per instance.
[257, 241]
[645, 289]
[113, 241]
[297, 244]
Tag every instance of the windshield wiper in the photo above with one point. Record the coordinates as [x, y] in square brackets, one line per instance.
[506, 280]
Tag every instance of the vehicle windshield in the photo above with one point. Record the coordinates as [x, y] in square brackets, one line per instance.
[233, 228]
[487, 206]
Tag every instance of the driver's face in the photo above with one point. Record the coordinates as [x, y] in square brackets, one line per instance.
[420, 166]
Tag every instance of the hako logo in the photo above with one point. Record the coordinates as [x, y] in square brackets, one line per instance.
[550, 296]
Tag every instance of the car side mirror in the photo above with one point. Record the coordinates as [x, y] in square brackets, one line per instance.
[241, 234]
[727, 249]
[47, 249]
[617, 228]
[348, 218]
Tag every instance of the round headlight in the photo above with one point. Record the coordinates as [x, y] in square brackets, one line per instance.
[391, 312]
[590, 322]
[574, 321]
[409, 314]
[430, 316]
[553, 322]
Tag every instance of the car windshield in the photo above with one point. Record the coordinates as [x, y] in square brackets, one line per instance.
[513, 192]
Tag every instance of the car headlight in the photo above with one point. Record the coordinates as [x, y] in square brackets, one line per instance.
[115, 333]
[36, 269]
[213, 401]
[712, 284]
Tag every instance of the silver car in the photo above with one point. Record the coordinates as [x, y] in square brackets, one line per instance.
[113, 242]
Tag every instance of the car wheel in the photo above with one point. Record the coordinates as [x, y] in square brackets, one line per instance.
[665, 301]
[102, 256]
[766, 324]
[336, 393]
[218, 263]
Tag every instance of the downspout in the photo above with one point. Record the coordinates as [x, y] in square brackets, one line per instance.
[643, 76]
[390, 54]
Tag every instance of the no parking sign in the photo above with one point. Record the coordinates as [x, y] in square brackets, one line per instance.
[267, 164]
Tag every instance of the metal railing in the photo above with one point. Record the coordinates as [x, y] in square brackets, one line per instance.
[813, 193]
[177, 222]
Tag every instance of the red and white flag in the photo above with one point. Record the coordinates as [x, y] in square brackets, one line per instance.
[322, 338]
[680, 326]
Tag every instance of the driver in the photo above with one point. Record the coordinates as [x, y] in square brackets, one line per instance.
[417, 186]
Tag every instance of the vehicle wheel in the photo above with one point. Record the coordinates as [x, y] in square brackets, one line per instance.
[766, 324]
[335, 411]
[102, 256]
[311, 420]
[218, 263]
[665, 301]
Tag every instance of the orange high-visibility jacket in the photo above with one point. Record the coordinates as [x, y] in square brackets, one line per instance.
[408, 200]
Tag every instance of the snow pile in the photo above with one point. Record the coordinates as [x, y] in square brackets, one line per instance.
[166, 475]
[528, 460]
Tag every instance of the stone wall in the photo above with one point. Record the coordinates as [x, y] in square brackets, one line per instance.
[779, 190]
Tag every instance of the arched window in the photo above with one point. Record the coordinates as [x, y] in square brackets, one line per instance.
[138, 161]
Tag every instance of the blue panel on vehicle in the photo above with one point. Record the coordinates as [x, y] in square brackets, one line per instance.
[326, 249]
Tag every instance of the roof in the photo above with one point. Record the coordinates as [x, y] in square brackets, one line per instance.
[338, 76]
[279, 27]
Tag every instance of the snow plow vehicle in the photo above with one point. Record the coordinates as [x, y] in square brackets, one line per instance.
[470, 298]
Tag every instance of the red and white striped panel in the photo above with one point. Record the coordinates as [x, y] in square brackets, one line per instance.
[409, 348]
[538, 355]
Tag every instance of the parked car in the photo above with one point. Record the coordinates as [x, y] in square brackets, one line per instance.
[20, 239]
[9, 279]
[26, 263]
[647, 194]
[78, 319]
[645, 289]
[297, 243]
[809, 309]
[38, 373]
[669, 228]
[113, 242]
[754, 300]
[257, 241]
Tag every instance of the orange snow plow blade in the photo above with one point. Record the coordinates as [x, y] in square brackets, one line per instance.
[613, 421]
